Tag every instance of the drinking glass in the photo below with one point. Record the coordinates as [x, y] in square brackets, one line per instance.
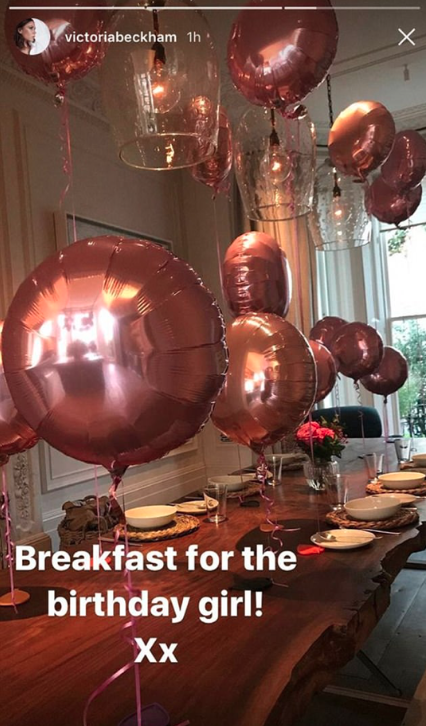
[336, 489]
[215, 499]
[374, 465]
[275, 465]
[403, 450]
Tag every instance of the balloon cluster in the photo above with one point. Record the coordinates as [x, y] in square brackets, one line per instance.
[358, 352]
[271, 381]
[363, 139]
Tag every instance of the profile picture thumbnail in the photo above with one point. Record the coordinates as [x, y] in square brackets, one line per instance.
[32, 36]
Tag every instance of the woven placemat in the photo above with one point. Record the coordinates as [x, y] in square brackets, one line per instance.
[181, 525]
[402, 518]
[380, 489]
[252, 488]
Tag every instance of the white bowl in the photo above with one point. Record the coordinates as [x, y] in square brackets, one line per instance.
[403, 499]
[150, 517]
[402, 480]
[234, 482]
[372, 508]
[419, 459]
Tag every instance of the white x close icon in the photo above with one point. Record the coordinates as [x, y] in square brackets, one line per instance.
[407, 36]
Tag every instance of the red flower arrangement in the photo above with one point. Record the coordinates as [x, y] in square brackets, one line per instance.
[321, 440]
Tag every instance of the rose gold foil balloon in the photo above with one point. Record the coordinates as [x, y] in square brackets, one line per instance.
[326, 370]
[256, 276]
[277, 57]
[271, 381]
[361, 138]
[405, 166]
[388, 206]
[62, 60]
[215, 171]
[325, 329]
[391, 374]
[357, 349]
[15, 434]
[136, 358]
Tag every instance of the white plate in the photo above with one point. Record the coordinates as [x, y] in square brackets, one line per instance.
[346, 539]
[196, 506]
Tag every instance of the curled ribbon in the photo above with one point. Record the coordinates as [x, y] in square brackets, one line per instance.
[5, 511]
[130, 625]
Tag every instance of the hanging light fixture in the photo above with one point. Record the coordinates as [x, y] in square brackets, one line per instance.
[342, 218]
[275, 164]
[161, 89]
[343, 221]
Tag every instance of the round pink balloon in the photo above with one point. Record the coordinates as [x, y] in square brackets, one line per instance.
[215, 171]
[136, 353]
[15, 434]
[361, 138]
[391, 374]
[256, 276]
[388, 206]
[270, 384]
[405, 166]
[276, 57]
[357, 349]
[325, 329]
[326, 370]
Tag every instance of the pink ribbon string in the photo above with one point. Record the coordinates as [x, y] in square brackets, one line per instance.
[386, 431]
[337, 394]
[361, 414]
[130, 625]
[311, 444]
[98, 507]
[217, 240]
[67, 163]
[262, 470]
[5, 510]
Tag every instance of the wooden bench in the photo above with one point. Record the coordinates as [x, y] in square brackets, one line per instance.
[416, 712]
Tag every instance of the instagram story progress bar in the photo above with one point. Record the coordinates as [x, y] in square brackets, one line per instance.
[215, 7]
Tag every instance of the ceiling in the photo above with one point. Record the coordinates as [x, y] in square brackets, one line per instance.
[369, 64]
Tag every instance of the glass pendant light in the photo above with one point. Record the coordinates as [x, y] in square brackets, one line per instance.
[275, 164]
[343, 220]
[161, 89]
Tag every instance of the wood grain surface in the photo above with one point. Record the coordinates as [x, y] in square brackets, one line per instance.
[258, 671]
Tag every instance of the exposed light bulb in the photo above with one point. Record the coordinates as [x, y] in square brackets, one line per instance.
[275, 165]
[200, 113]
[164, 92]
[339, 210]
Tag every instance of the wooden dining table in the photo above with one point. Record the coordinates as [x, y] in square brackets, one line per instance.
[238, 671]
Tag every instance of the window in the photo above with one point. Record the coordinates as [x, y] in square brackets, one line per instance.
[406, 272]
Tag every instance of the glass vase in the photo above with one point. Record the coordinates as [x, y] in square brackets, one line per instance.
[317, 471]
